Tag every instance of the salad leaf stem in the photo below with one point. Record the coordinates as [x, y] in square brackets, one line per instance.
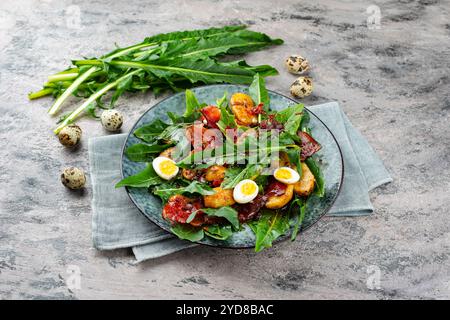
[259, 93]
[58, 103]
[268, 228]
[90, 100]
[170, 61]
[63, 77]
[39, 94]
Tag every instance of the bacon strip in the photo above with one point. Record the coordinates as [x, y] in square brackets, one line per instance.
[271, 124]
[308, 144]
[252, 210]
[259, 109]
[179, 208]
[275, 188]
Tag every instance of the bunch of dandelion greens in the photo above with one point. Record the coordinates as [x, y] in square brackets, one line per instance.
[172, 61]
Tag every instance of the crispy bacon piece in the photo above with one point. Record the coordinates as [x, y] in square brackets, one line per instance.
[212, 115]
[212, 139]
[202, 138]
[215, 175]
[271, 124]
[309, 145]
[259, 109]
[194, 133]
[251, 210]
[190, 174]
[275, 188]
[216, 183]
[179, 208]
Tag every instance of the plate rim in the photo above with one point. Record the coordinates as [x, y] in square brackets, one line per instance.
[280, 239]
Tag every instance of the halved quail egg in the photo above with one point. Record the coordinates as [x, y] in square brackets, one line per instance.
[286, 175]
[245, 191]
[165, 167]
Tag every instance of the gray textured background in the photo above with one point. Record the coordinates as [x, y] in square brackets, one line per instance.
[393, 83]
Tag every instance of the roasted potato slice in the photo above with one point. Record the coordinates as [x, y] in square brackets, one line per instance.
[168, 153]
[284, 160]
[277, 202]
[242, 106]
[243, 116]
[222, 198]
[242, 99]
[215, 173]
[306, 184]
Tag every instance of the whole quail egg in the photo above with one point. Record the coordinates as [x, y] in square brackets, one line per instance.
[73, 178]
[112, 120]
[70, 135]
[297, 64]
[302, 87]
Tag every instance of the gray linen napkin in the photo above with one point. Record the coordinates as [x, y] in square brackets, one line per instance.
[117, 223]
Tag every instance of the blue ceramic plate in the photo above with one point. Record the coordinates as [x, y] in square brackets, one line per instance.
[330, 160]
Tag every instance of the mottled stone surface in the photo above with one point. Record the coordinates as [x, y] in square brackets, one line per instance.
[393, 83]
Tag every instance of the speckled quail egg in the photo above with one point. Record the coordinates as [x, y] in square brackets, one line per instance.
[302, 87]
[73, 178]
[70, 135]
[297, 64]
[165, 167]
[286, 175]
[112, 120]
[245, 191]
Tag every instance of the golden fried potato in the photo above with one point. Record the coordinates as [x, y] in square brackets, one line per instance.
[215, 173]
[306, 184]
[282, 161]
[243, 116]
[168, 153]
[241, 106]
[222, 198]
[242, 99]
[277, 202]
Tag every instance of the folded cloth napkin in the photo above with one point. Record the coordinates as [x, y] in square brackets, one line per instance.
[117, 223]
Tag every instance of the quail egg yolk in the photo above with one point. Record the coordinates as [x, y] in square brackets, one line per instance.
[248, 188]
[283, 173]
[245, 191]
[286, 175]
[164, 167]
[167, 167]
